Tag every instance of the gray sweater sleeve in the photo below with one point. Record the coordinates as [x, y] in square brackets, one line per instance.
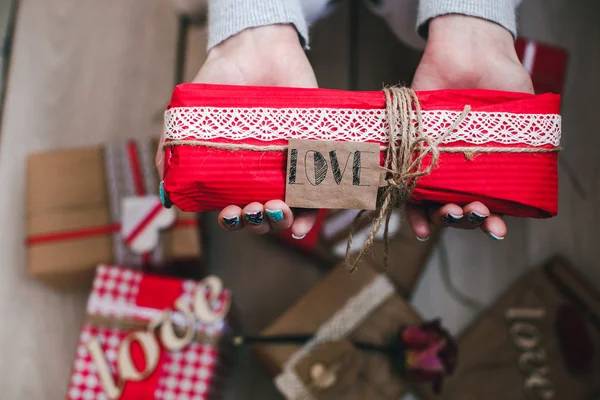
[501, 12]
[229, 17]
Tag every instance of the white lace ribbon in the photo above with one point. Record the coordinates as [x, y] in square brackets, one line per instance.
[270, 124]
[343, 322]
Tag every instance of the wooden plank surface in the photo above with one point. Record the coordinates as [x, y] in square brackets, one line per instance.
[81, 73]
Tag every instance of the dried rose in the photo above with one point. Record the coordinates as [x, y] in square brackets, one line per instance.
[430, 353]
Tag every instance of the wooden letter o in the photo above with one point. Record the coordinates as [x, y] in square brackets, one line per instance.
[169, 337]
[525, 335]
[149, 344]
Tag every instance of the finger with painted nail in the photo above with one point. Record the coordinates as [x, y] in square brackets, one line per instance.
[448, 215]
[279, 215]
[254, 219]
[230, 218]
[476, 214]
[304, 220]
[494, 227]
[417, 218]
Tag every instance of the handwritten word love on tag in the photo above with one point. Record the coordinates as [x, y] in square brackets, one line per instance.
[334, 175]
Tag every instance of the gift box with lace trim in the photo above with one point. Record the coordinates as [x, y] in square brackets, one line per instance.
[227, 144]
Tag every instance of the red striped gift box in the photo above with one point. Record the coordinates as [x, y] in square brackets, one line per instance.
[519, 182]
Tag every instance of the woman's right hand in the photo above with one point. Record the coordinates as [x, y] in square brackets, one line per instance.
[263, 56]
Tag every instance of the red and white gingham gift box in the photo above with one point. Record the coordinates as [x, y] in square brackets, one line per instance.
[121, 294]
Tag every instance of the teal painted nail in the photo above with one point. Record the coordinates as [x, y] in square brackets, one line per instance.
[274, 215]
[164, 198]
[490, 234]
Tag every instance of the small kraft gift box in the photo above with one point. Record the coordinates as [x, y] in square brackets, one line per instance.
[540, 340]
[148, 337]
[328, 241]
[347, 315]
[101, 205]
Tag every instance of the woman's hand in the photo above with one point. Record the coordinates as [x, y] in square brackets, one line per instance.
[466, 53]
[263, 56]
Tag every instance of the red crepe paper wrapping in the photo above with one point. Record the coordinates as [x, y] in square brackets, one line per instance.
[195, 372]
[199, 178]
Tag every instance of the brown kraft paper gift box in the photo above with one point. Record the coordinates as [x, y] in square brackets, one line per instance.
[514, 351]
[72, 224]
[358, 375]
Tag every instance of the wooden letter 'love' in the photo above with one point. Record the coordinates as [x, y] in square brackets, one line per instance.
[205, 296]
[533, 360]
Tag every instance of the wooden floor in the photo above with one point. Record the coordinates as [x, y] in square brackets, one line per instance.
[85, 72]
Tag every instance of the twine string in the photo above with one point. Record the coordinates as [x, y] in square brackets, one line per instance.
[402, 166]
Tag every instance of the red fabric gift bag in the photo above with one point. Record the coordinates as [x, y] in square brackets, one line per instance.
[519, 182]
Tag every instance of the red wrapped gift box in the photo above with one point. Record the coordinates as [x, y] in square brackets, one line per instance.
[121, 302]
[200, 178]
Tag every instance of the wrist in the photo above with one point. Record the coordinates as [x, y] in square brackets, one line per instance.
[474, 36]
[263, 42]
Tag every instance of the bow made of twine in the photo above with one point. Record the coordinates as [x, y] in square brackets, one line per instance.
[402, 167]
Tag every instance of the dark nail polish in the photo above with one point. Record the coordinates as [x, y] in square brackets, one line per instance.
[475, 218]
[451, 218]
[490, 234]
[255, 218]
[231, 222]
